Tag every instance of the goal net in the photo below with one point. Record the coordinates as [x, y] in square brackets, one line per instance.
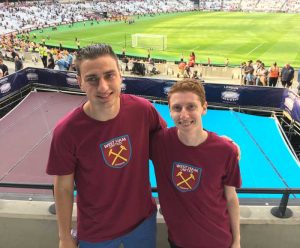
[151, 41]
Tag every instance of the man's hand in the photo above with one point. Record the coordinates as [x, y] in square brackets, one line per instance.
[237, 146]
[235, 245]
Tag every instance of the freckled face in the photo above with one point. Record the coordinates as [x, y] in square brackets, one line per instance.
[186, 111]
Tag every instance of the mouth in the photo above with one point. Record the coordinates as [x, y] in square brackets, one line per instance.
[104, 96]
[186, 123]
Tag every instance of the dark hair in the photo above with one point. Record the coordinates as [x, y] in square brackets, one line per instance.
[93, 52]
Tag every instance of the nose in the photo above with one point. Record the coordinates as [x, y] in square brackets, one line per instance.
[183, 113]
[102, 85]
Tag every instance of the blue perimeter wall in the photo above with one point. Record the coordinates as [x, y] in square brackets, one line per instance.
[232, 95]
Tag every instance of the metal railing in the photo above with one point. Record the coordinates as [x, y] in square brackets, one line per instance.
[280, 211]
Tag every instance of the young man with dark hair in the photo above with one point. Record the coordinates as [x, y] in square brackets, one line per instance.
[197, 173]
[104, 150]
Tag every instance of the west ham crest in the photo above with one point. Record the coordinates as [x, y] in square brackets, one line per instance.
[186, 177]
[116, 152]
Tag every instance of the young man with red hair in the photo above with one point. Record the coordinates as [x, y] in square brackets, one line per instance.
[197, 172]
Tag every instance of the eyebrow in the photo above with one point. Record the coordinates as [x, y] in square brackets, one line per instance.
[106, 72]
[110, 71]
[90, 75]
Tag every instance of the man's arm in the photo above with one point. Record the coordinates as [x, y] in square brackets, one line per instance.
[6, 71]
[292, 74]
[63, 193]
[234, 215]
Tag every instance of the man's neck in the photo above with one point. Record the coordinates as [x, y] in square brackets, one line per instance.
[102, 113]
[192, 138]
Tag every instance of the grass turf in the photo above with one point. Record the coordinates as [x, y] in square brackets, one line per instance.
[237, 36]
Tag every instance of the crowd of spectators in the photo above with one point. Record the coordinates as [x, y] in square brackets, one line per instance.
[37, 14]
[210, 5]
[33, 14]
[13, 48]
[11, 45]
[271, 5]
[258, 74]
[290, 6]
[142, 7]
[23, 16]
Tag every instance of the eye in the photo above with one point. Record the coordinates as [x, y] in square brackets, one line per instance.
[176, 108]
[191, 107]
[92, 80]
[110, 76]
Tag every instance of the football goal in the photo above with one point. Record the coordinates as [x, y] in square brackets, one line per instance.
[151, 41]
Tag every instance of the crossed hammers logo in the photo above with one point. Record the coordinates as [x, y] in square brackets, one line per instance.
[117, 155]
[185, 180]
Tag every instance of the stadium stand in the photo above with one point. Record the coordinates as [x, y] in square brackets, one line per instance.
[289, 6]
[24, 16]
[36, 14]
[210, 5]
[31, 15]
[231, 5]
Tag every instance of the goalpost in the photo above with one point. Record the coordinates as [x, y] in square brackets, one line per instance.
[151, 41]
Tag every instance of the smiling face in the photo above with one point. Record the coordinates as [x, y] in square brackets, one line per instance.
[100, 79]
[186, 111]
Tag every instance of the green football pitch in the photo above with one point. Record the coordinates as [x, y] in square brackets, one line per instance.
[237, 36]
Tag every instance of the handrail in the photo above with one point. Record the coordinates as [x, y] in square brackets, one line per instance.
[27, 186]
[154, 189]
[281, 211]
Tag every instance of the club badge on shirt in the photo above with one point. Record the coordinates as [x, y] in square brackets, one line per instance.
[117, 151]
[185, 177]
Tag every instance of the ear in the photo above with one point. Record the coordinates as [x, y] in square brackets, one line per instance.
[120, 73]
[169, 108]
[204, 108]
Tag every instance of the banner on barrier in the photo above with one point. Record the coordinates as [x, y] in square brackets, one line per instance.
[12, 83]
[235, 95]
[292, 105]
[244, 95]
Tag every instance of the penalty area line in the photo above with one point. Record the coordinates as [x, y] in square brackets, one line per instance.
[256, 48]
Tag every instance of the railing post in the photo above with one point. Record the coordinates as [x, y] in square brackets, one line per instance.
[282, 211]
[52, 209]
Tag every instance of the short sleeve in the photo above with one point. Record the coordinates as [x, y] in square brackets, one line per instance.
[232, 173]
[62, 159]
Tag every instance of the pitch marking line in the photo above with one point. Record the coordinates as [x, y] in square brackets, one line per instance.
[256, 48]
